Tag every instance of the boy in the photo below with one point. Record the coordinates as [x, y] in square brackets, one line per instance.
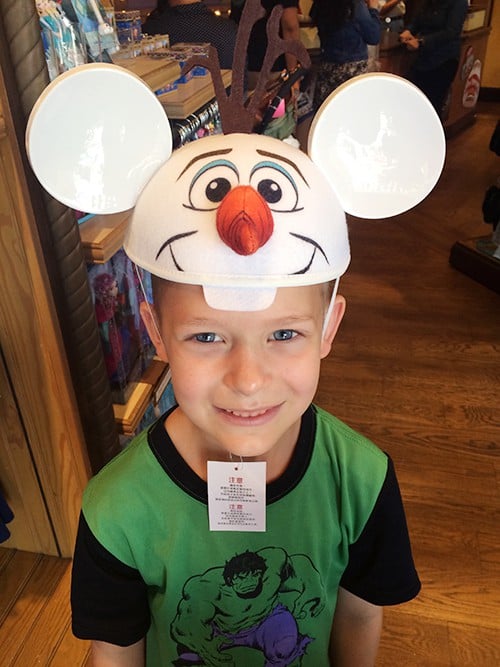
[305, 537]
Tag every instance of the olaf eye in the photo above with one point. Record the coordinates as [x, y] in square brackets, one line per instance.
[217, 189]
[270, 190]
[276, 186]
[211, 184]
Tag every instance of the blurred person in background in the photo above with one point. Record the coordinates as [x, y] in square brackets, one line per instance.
[193, 21]
[392, 14]
[434, 34]
[257, 45]
[345, 29]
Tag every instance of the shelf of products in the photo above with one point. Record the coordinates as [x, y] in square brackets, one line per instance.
[147, 390]
[188, 97]
[102, 236]
[157, 73]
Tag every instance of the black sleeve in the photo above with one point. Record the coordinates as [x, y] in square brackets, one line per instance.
[381, 568]
[108, 598]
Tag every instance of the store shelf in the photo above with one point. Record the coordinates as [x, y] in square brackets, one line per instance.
[149, 388]
[190, 96]
[102, 236]
[157, 73]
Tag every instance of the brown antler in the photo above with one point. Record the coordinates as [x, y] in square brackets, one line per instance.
[235, 115]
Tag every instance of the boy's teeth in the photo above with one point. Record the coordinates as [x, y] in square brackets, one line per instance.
[256, 413]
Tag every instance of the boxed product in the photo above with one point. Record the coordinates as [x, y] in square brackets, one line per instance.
[117, 294]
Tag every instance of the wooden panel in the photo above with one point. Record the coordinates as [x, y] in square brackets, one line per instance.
[30, 529]
[34, 354]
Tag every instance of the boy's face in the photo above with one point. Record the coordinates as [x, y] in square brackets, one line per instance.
[243, 380]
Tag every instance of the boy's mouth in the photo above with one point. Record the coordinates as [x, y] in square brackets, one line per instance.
[247, 413]
[255, 417]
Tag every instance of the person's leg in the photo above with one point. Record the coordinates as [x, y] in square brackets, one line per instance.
[331, 76]
[435, 83]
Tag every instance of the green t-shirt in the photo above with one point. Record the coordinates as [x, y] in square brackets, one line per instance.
[238, 598]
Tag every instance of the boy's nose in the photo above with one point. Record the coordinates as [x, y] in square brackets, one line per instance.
[246, 373]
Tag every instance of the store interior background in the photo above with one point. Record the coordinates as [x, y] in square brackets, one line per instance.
[50, 423]
[491, 71]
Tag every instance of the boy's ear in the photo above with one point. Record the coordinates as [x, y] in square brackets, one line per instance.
[332, 325]
[151, 322]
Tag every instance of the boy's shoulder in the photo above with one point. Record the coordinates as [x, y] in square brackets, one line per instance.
[132, 465]
[344, 438]
[355, 461]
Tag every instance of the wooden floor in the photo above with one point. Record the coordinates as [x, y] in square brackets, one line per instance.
[416, 367]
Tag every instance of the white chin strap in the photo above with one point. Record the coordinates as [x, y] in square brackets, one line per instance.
[330, 307]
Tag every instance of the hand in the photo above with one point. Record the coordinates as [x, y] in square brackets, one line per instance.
[412, 44]
[410, 41]
[295, 91]
[404, 36]
[372, 4]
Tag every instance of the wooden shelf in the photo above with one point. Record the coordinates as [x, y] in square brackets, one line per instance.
[157, 73]
[190, 96]
[150, 387]
[102, 236]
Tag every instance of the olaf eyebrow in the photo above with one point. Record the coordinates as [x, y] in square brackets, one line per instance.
[282, 159]
[222, 151]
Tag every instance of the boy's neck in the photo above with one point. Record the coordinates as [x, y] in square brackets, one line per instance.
[188, 442]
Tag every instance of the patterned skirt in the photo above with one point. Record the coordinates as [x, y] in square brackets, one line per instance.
[331, 76]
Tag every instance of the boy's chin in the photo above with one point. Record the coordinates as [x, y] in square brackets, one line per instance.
[248, 453]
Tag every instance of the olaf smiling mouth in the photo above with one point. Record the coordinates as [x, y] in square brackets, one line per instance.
[316, 248]
[168, 244]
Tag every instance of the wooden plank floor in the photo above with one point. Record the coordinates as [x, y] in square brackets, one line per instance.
[416, 367]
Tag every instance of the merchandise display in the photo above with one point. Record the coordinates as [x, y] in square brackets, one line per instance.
[75, 32]
[117, 294]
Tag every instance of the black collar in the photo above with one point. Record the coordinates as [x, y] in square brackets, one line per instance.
[177, 469]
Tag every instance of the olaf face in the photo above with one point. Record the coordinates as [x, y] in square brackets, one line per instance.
[244, 210]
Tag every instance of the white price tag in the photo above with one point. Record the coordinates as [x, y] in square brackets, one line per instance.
[237, 495]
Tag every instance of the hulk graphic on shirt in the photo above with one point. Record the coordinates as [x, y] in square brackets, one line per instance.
[255, 601]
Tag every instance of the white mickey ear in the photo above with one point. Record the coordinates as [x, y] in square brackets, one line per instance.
[380, 144]
[96, 136]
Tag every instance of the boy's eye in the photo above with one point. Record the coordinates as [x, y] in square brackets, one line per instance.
[284, 334]
[206, 337]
